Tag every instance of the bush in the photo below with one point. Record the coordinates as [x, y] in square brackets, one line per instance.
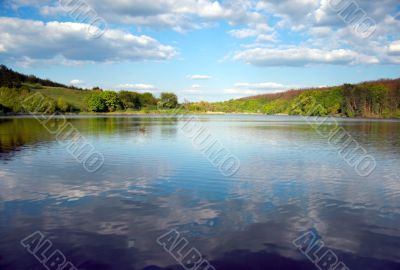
[168, 101]
[95, 102]
[99, 101]
[130, 100]
[111, 100]
[147, 100]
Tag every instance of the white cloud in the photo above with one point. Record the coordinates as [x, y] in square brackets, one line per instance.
[270, 38]
[262, 86]
[242, 92]
[290, 10]
[193, 91]
[16, 4]
[322, 35]
[36, 40]
[242, 89]
[301, 56]
[199, 77]
[177, 15]
[76, 82]
[196, 86]
[394, 47]
[254, 30]
[137, 86]
[317, 30]
[243, 33]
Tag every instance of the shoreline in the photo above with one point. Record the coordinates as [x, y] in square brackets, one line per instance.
[166, 113]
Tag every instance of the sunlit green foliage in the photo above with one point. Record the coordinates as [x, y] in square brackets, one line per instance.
[95, 102]
[364, 100]
[111, 100]
[168, 101]
[148, 100]
[130, 100]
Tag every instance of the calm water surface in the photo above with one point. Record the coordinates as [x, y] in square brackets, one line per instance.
[154, 180]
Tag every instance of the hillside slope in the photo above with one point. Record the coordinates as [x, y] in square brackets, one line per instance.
[12, 79]
[74, 97]
[368, 99]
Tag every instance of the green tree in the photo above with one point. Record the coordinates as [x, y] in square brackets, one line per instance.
[168, 101]
[111, 100]
[95, 102]
[147, 100]
[130, 100]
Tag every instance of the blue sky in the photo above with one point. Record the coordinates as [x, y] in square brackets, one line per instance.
[202, 49]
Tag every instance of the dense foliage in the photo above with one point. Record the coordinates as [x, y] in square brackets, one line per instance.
[168, 101]
[373, 99]
[110, 101]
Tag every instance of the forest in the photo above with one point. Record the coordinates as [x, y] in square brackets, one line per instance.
[369, 99]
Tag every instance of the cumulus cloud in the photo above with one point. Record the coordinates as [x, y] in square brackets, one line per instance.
[35, 40]
[302, 56]
[199, 77]
[311, 27]
[177, 15]
[290, 10]
[324, 36]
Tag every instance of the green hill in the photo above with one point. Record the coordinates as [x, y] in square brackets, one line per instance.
[11, 79]
[16, 87]
[76, 98]
[368, 99]
[18, 95]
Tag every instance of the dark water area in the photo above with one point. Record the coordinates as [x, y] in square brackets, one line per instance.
[155, 179]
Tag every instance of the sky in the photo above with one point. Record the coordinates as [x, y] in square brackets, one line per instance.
[202, 49]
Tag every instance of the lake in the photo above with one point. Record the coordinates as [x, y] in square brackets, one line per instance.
[153, 179]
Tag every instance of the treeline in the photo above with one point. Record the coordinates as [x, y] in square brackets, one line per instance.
[110, 101]
[370, 99]
[12, 79]
[22, 100]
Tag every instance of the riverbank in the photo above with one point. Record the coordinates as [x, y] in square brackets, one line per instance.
[173, 113]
